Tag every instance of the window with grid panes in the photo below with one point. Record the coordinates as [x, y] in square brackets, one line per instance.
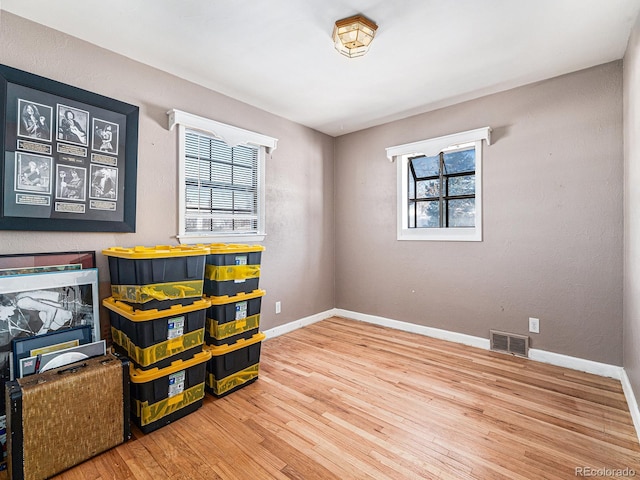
[221, 186]
[440, 187]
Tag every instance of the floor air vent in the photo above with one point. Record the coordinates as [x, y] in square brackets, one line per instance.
[510, 343]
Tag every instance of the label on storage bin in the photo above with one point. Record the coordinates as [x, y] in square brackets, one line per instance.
[176, 383]
[241, 260]
[241, 310]
[175, 327]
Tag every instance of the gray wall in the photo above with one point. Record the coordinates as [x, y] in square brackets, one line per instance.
[631, 208]
[552, 244]
[298, 265]
[553, 203]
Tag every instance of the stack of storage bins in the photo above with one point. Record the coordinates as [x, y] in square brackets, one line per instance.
[157, 314]
[232, 335]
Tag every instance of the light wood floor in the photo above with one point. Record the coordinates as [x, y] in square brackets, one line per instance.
[342, 399]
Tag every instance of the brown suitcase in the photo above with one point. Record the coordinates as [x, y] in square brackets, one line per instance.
[59, 418]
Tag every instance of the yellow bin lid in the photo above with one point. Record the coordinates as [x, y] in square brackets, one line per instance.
[144, 376]
[219, 248]
[217, 350]
[240, 297]
[127, 311]
[159, 251]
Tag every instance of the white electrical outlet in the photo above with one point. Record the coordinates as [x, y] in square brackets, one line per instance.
[278, 307]
[534, 325]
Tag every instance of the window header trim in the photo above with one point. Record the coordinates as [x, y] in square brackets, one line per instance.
[229, 134]
[434, 146]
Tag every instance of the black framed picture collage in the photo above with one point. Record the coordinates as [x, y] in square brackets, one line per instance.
[69, 157]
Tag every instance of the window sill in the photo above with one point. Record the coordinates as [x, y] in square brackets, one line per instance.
[190, 239]
[444, 234]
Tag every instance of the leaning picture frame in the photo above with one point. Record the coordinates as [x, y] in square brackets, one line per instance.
[23, 347]
[69, 157]
[41, 303]
[29, 263]
[45, 302]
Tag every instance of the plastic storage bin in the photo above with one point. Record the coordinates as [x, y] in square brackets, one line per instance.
[232, 269]
[157, 277]
[162, 396]
[233, 366]
[156, 338]
[231, 318]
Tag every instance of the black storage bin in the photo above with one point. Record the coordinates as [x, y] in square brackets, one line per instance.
[233, 366]
[230, 319]
[162, 396]
[157, 277]
[232, 269]
[156, 338]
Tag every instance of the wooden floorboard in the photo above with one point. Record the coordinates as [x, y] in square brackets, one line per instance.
[342, 399]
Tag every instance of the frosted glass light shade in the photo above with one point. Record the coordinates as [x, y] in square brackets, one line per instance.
[352, 36]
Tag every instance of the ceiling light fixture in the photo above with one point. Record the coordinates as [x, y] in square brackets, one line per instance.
[352, 36]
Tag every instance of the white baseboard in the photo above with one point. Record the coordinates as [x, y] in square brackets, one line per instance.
[632, 401]
[413, 328]
[589, 366]
[303, 322]
[574, 363]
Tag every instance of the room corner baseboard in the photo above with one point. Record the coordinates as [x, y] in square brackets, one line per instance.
[575, 363]
[413, 328]
[632, 401]
[296, 324]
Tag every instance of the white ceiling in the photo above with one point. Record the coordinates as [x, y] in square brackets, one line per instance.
[278, 55]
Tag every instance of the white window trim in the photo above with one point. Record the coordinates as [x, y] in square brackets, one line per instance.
[232, 136]
[430, 148]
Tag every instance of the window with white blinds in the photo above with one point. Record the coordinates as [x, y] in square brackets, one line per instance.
[221, 185]
[221, 180]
